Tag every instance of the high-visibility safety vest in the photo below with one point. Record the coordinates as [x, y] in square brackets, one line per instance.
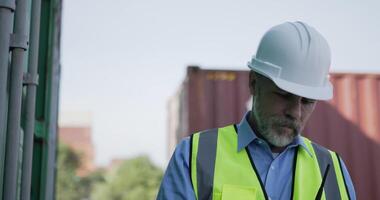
[220, 172]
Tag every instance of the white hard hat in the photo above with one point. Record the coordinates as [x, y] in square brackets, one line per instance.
[297, 58]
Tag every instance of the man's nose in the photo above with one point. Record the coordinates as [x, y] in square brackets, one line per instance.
[294, 107]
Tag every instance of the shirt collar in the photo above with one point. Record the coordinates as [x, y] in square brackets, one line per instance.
[246, 135]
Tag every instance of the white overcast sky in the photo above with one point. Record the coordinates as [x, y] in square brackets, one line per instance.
[123, 59]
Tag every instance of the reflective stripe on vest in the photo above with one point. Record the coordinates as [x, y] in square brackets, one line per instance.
[219, 172]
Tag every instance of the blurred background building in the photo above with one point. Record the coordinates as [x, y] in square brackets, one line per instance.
[75, 131]
[348, 124]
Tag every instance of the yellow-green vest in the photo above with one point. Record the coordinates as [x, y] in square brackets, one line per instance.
[219, 172]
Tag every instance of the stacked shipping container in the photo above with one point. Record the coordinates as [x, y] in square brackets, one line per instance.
[348, 124]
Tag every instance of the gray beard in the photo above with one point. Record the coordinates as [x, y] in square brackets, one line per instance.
[267, 129]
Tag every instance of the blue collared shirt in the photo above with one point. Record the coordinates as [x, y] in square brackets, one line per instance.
[274, 171]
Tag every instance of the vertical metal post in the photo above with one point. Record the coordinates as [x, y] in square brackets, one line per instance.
[52, 129]
[31, 82]
[6, 21]
[19, 44]
[53, 108]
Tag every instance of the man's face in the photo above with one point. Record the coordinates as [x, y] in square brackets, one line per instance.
[280, 116]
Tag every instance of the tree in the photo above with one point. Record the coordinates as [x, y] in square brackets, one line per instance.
[67, 163]
[86, 184]
[137, 178]
[70, 186]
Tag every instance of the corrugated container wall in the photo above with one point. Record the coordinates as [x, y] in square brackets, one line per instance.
[348, 124]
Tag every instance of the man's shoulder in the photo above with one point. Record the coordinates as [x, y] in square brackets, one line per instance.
[181, 151]
[317, 146]
[215, 130]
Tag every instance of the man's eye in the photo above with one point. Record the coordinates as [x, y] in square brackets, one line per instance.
[282, 93]
[308, 101]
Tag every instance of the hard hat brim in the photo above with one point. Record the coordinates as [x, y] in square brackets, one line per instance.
[317, 93]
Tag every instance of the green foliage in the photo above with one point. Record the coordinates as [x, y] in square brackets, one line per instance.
[66, 186]
[69, 186]
[86, 184]
[136, 178]
[68, 158]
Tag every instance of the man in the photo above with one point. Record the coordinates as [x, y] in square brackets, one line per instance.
[265, 156]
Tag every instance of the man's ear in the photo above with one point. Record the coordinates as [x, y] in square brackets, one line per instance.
[252, 82]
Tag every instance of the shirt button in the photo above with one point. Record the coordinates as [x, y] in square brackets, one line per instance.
[260, 142]
[272, 168]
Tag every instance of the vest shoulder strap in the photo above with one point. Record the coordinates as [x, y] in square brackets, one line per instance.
[205, 142]
[332, 183]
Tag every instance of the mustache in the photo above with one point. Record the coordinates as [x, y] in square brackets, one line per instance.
[295, 125]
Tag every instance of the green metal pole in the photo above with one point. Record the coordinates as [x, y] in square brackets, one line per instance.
[30, 101]
[54, 85]
[6, 21]
[19, 45]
